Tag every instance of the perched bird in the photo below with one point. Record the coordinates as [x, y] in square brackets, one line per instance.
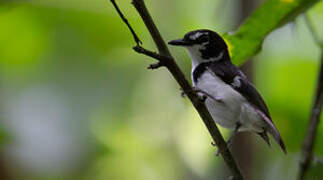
[231, 99]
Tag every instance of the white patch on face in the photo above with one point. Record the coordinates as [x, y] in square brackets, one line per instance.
[197, 35]
[236, 81]
[196, 56]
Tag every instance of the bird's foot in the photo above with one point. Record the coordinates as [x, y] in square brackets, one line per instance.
[182, 93]
[227, 147]
[199, 93]
[230, 140]
[202, 95]
[218, 150]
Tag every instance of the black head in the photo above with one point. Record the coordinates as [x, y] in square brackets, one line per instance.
[208, 43]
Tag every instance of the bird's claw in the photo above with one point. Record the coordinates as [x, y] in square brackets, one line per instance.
[218, 151]
[182, 93]
[202, 95]
[230, 140]
[196, 90]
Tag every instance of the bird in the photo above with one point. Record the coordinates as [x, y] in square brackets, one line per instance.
[232, 100]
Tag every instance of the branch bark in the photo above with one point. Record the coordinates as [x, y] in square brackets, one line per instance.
[168, 61]
[311, 133]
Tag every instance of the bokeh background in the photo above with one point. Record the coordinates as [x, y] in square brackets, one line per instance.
[78, 103]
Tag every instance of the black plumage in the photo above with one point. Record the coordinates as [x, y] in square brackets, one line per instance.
[214, 57]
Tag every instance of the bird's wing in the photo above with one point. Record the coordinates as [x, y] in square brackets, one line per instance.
[231, 75]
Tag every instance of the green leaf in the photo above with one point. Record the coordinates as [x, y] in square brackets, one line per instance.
[247, 41]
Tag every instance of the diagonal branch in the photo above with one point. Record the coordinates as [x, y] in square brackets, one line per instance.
[311, 133]
[165, 58]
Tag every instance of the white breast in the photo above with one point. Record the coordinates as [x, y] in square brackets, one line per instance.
[234, 107]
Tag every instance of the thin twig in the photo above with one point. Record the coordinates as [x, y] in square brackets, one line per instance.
[161, 59]
[155, 65]
[154, 32]
[167, 60]
[311, 133]
[134, 35]
[141, 50]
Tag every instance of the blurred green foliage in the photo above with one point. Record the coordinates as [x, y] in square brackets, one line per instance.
[248, 39]
[315, 171]
[121, 121]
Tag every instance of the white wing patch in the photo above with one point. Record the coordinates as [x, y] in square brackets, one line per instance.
[236, 81]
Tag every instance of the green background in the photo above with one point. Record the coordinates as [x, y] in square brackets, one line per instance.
[78, 103]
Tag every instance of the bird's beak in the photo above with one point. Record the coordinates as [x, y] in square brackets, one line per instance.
[179, 42]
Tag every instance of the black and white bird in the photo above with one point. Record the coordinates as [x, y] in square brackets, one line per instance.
[231, 99]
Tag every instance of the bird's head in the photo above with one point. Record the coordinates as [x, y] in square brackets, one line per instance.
[203, 46]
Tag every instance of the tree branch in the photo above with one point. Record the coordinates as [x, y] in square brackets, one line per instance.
[311, 133]
[165, 58]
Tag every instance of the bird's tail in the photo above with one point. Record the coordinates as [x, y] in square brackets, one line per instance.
[265, 137]
[273, 131]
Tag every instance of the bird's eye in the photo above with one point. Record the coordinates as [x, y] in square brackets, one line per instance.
[203, 39]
